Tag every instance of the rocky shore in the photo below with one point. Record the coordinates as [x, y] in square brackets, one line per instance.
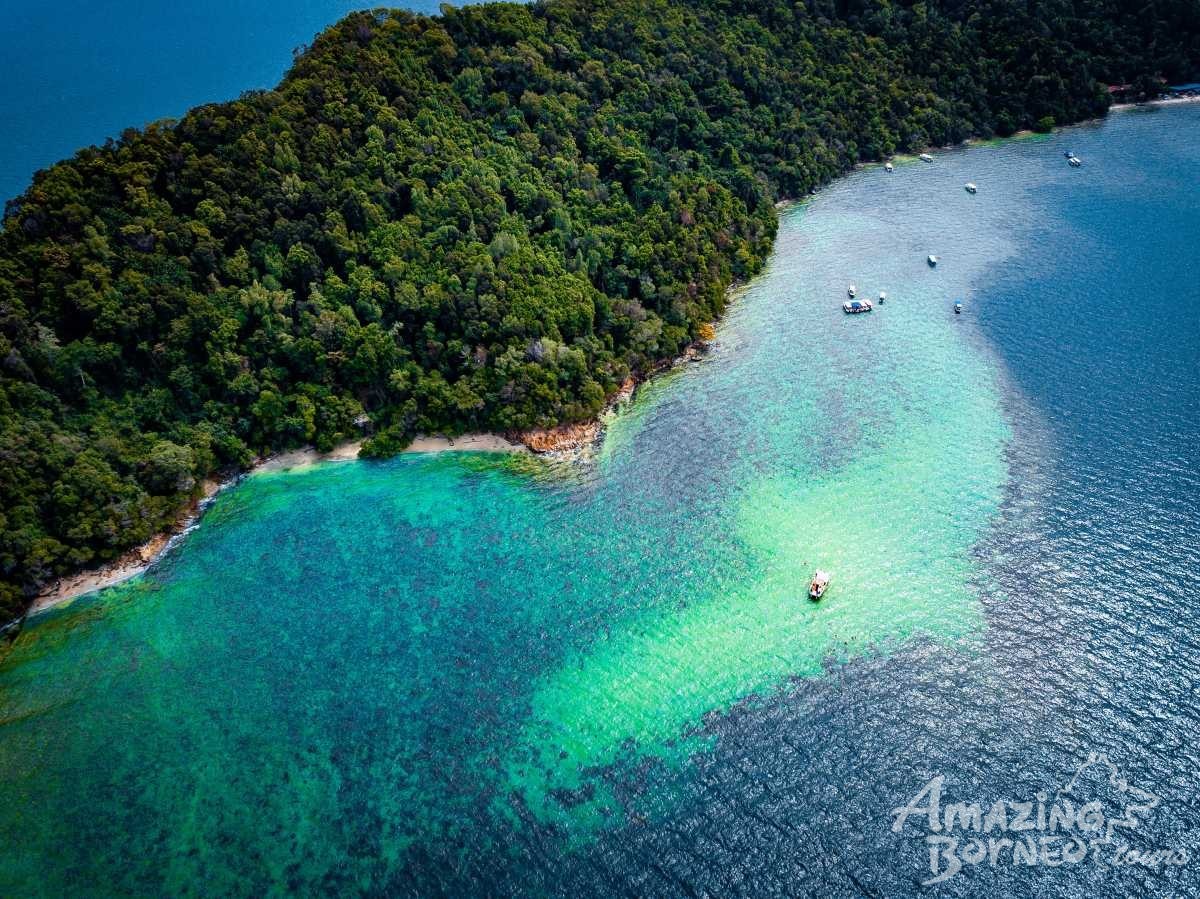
[575, 437]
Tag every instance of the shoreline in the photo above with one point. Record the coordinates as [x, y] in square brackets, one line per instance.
[568, 441]
[478, 442]
[130, 563]
[561, 441]
[1023, 134]
[135, 561]
[1169, 101]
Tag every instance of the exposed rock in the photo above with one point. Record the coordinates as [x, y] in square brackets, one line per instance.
[625, 392]
[564, 438]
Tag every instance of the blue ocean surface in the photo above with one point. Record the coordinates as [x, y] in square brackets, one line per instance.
[472, 674]
[76, 73]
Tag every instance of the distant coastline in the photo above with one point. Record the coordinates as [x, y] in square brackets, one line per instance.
[1167, 101]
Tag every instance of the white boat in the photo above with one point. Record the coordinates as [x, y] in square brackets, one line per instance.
[819, 584]
[925, 157]
[931, 259]
[887, 166]
[882, 296]
[851, 290]
[1075, 161]
[854, 307]
[971, 188]
[958, 308]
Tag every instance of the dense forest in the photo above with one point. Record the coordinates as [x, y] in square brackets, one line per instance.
[484, 220]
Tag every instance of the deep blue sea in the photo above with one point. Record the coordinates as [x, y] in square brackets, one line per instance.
[76, 73]
[472, 674]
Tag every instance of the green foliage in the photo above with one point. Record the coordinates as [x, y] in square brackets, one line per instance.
[485, 220]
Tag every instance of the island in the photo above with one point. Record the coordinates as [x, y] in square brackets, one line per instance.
[488, 221]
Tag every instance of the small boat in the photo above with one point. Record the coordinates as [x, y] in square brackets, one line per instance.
[971, 188]
[853, 307]
[819, 584]
[958, 308]
[925, 157]
[932, 260]
[1075, 162]
[887, 166]
[883, 296]
[1069, 155]
[851, 290]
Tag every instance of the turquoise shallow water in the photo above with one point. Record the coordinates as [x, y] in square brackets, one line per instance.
[469, 673]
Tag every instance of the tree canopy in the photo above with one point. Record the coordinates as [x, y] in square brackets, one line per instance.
[482, 220]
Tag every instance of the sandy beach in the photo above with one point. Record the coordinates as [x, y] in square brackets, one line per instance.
[128, 564]
[480, 443]
[309, 456]
[137, 560]
[305, 458]
[122, 569]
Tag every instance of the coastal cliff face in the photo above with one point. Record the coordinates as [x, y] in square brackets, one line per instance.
[480, 222]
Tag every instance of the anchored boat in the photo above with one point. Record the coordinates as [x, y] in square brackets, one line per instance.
[887, 166]
[971, 188]
[882, 296]
[932, 260]
[819, 584]
[853, 307]
[958, 308]
[851, 290]
[925, 157]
